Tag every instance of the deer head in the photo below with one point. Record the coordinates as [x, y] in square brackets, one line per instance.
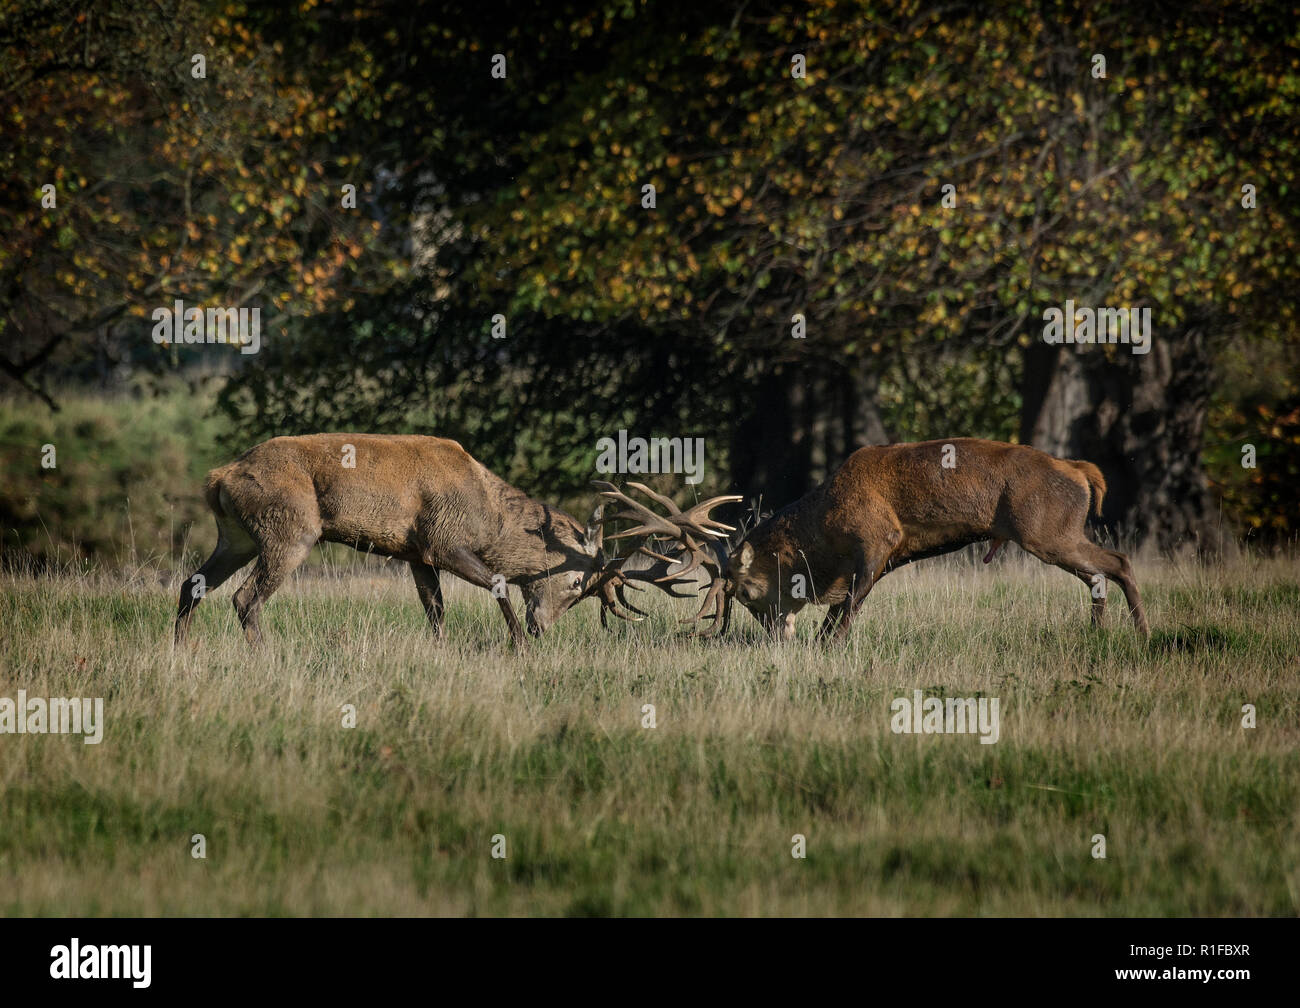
[574, 559]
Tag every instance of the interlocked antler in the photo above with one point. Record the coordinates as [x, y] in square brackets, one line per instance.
[717, 600]
[684, 526]
[691, 528]
[659, 573]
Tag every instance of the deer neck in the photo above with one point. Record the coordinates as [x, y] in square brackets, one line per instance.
[527, 536]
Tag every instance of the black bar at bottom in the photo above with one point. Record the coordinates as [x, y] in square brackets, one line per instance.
[572, 958]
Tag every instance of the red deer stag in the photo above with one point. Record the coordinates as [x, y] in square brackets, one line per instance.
[888, 506]
[424, 500]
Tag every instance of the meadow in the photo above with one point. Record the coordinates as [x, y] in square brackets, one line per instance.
[461, 741]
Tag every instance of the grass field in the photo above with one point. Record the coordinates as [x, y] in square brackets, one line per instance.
[754, 742]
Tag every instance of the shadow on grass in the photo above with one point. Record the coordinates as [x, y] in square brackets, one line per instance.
[1188, 638]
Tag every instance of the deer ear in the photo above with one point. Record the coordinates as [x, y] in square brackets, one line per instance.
[744, 558]
[595, 534]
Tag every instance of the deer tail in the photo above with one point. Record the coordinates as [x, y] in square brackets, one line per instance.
[1096, 482]
[212, 490]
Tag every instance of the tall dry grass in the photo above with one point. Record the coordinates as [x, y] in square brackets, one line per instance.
[754, 742]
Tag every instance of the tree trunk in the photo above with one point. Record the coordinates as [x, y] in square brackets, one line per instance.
[1140, 418]
[801, 426]
[862, 423]
[770, 447]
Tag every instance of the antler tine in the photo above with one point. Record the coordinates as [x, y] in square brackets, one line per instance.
[691, 530]
[667, 561]
[647, 551]
[710, 598]
[696, 519]
[672, 583]
[673, 509]
[698, 515]
[696, 553]
[611, 597]
[721, 614]
[640, 530]
[704, 507]
[671, 587]
[631, 510]
[612, 493]
[697, 512]
[622, 599]
[720, 621]
[605, 610]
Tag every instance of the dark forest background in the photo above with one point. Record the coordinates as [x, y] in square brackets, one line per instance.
[1166, 183]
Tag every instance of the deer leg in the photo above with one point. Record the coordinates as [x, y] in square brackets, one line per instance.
[274, 564]
[233, 550]
[1085, 561]
[834, 615]
[840, 615]
[464, 564]
[430, 591]
[869, 568]
[1098, 598]
[1116, 566]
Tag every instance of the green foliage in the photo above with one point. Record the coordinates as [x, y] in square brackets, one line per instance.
[1257, 404]
[216, 190]
[127, 487]
[821, 196]
[522, 196]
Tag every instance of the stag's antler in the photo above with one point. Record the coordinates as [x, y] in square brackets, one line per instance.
[717, 600]
[659, 573]
[684, 526]
[667, 572]
[720, 601]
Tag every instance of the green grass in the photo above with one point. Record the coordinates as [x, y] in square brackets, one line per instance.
[755, 742]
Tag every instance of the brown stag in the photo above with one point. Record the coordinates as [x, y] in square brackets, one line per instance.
[888, 506]
[423, 500]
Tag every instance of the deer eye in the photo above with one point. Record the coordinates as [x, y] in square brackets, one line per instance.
[577, 582]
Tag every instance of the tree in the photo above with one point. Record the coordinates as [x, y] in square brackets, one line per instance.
[182, 162]
[825, 195]
[652, 200]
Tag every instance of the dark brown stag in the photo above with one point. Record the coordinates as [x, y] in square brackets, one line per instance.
[888, 506]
